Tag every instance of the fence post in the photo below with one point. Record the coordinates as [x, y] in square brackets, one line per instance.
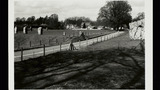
[33, 54]
[49, 42]
[87, 42]
[44, 50]
[60, 46]
[108, 36]
[30, 43]
[79, 44]
[22, 54]
[40, 43]
[63, 39]
[56, 41]
[101, 38]
[18, 45]
[118, 45]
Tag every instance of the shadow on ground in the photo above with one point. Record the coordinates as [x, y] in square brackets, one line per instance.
[101, 69]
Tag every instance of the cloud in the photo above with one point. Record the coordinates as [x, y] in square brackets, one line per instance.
[137, 3]
[64, 8]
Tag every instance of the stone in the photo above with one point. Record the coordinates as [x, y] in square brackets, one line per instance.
[40, 31]
[24, 30]
[64, 33]
[15, 29]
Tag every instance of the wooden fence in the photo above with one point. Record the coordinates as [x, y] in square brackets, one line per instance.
[65, 47]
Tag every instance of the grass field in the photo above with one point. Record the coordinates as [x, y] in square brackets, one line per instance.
[104, 67]
[52, 37]
[118, 42]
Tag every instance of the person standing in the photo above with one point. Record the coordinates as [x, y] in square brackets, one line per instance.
[72, 47]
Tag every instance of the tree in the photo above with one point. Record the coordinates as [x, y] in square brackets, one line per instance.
[53, 21]
[46, 20]
[39, 20]
[30, 20]
[17, 21]
[84, 25]
[116, 14]
[139, 16]
[61, 25]
[20, 21]
[76, 20]
[23, 19]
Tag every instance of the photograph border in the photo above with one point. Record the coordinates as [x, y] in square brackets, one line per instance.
[148, 44]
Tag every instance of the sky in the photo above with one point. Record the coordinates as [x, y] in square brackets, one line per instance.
[67, 8]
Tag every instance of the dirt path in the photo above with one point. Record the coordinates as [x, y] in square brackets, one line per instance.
[120, 41]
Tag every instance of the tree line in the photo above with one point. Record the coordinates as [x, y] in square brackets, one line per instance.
[114, 14]
[51, 22]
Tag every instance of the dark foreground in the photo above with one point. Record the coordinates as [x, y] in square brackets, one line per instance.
[102, 69]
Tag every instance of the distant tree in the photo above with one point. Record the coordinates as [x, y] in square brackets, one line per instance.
[17, 21]
[76, 20]
[61, 25]
[46, 20]
[20, 21]
[50, 22]
[84, 25]
[23, 19]
[139, 16]
[53, 21]
[30, 20]
[39, 20]
[116, 13]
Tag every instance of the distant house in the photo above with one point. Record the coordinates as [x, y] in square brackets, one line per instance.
[70, 26]
[101, 27]
[90, 27]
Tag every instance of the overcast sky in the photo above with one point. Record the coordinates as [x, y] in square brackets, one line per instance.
[67, 8]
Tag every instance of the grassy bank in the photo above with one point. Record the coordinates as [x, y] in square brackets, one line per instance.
[101, 69]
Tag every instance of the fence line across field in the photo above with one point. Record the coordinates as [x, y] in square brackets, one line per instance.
[32, 44]
[64, 47]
